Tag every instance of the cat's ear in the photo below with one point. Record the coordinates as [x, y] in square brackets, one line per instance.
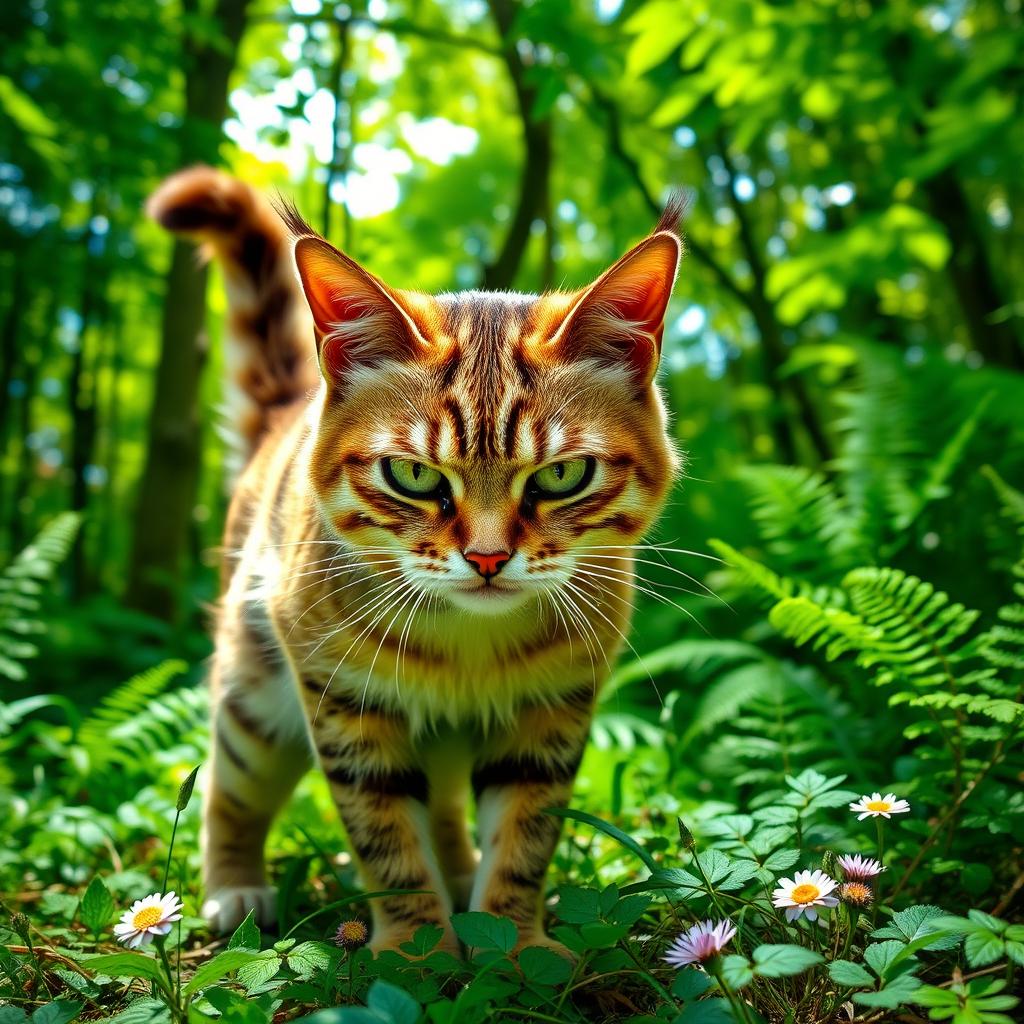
[619, 320]
[357, 318]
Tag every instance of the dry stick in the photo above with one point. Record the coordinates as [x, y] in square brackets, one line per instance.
[1009, 896]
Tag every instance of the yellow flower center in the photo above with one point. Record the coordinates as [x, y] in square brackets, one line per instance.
[147, 917]
[806, 893]
[878, 805]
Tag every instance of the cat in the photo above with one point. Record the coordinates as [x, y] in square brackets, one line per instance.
[427, 563]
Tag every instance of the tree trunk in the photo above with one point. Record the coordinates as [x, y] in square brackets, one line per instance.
[974, 278]
[170, 477]
[536, 178]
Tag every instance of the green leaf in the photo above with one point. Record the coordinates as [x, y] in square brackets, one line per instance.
[780, 961]
[12, 1014]
[145, 1010]
[258, 972]
[125, 965]
[850, 975]
[629, 910]
[880, 956]
[246, 935]
[915, 923]
[982, 948]
[599, 934]
[480, 930]
[309, 958]
[391, 1004]
[97, 906]
[610, 830]
[578, 905]
[707, 1011]
[544, 966]
[690, 985]
[737, 971]
[238, 1009]
[219, 967]
[782, 860]
[60, 1011]
[897, 992]
[423, 940]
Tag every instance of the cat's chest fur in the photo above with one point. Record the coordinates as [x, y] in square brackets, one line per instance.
[434, 663]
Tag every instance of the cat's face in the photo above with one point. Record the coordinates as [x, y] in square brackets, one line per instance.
[487, 447]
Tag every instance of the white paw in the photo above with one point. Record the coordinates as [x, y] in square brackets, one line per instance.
[227, 908]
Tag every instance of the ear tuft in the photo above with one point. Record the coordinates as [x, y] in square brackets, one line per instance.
[678, 206]
[297, 225]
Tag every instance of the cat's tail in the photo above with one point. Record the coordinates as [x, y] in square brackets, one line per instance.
[271, 357]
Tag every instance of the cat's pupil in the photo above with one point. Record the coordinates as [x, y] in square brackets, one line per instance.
[416, 470]
[559, 468]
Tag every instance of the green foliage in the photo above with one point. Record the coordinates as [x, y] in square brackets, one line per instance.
[22, 585]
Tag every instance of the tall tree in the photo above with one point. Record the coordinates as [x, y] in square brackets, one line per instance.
[168, 486]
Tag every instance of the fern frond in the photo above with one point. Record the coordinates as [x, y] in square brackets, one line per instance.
[752, 575]
[900, 626]
[1010, 498]
[800, 515]
[802, 620]
[993, 707]
[22, 585]
[124, 713]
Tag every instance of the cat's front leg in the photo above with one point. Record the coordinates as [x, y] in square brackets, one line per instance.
[529, 769]
[381, 793]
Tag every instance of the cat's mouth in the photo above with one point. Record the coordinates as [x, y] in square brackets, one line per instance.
[488, 598]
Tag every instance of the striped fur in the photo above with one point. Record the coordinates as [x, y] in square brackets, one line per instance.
[353, 629]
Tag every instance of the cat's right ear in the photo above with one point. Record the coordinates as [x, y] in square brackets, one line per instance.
[359, 321]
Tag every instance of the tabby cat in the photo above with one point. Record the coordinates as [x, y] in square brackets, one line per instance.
[428, 565]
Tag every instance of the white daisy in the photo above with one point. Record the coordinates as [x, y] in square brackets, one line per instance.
[805, 891]
[876, 804]
[859, 869]
[700, 943]
[151, 916]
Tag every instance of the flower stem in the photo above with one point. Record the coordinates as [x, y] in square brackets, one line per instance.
[170, 851]
[738, 1005]
[174, 1003]
[881, 860]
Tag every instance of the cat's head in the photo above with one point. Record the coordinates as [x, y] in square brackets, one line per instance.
[482, 444]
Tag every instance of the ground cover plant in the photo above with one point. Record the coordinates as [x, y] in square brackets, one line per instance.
[831, 617]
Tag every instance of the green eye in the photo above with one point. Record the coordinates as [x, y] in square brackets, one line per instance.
[413, 479]
[561, 479]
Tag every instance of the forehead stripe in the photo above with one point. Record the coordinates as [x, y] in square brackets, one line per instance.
[512, 427]
[458, 425]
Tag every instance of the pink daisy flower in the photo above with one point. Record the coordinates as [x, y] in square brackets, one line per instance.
[700, 943]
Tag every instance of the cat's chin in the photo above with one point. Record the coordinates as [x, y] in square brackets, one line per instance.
[489, 601]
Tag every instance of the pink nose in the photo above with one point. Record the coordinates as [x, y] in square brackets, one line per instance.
[489, 564]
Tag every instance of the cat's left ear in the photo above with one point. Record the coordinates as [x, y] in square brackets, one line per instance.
[619, 320]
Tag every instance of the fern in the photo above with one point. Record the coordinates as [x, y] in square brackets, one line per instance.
[800, 515]
[134, 719]
[750, 575]
[22, 584]
[907, 633]
[1003, 644]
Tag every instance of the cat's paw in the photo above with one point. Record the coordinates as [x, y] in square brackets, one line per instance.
[228, 907]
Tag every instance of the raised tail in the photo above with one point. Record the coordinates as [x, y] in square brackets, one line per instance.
[271, 357]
